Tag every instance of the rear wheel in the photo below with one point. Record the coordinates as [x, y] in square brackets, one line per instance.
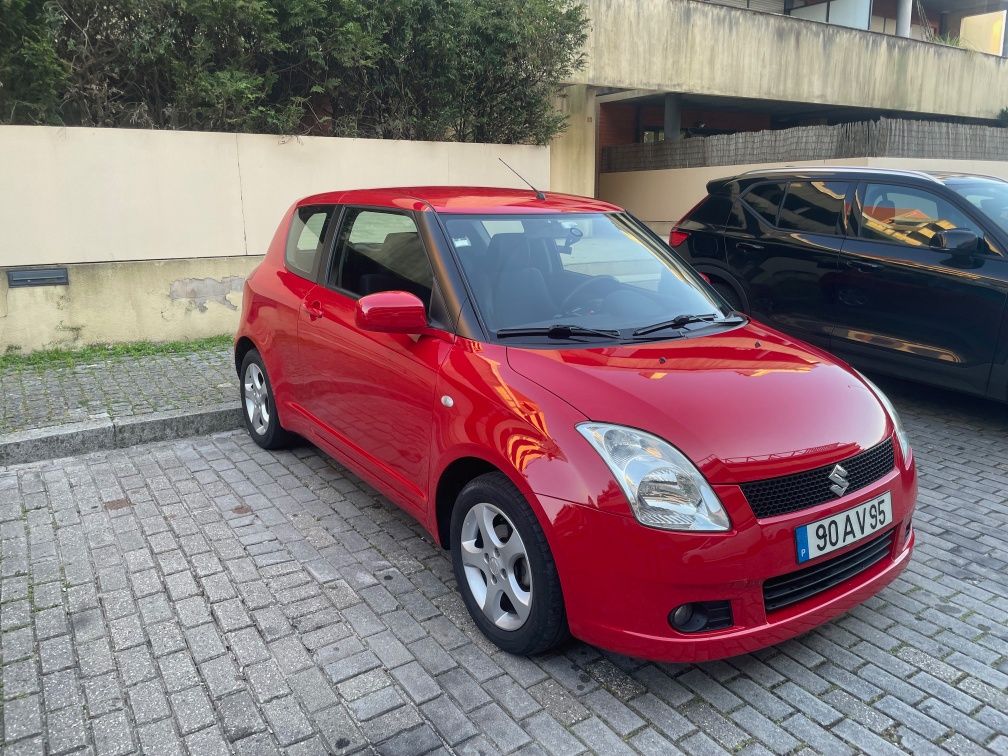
[259, 405]
[730, 295]
[504, 568]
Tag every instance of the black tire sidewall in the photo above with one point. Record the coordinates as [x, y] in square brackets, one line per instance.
[546, 625]
[729, 293]
[275, 436]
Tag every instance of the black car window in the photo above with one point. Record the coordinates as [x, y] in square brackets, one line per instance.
[990, 196]
[304, 239]
[380, 250]
[907, 215]
[764, 200]
[814, 207]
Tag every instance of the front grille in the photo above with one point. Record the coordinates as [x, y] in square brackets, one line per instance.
[797, 586]
[790, 493]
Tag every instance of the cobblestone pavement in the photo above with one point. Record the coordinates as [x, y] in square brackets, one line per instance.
[206, 596]
[116, 386]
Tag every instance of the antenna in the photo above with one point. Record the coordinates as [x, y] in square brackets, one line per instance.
[539, 195]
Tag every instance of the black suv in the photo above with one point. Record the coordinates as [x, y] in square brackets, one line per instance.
[899, 272]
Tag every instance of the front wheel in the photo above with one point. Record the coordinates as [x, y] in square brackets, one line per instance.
[505, 569]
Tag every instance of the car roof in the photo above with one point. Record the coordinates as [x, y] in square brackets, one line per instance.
[838, 170]
[743, 181]
[463, 199]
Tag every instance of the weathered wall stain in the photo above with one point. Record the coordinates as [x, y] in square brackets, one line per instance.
[200, 291]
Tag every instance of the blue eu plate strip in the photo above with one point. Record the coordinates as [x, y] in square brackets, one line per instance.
[801, 541]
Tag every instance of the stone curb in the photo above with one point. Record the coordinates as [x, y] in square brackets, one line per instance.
[115, 433]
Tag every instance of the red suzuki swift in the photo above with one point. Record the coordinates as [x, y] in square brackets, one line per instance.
[607, 449]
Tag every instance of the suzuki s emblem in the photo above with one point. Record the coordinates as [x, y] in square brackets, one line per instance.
[839, 479]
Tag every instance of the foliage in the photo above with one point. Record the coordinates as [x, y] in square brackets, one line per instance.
[1002, 117]
[948, 39]
[468, 70]
[14, 361]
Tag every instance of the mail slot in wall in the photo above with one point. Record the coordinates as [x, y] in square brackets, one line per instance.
[21, 277]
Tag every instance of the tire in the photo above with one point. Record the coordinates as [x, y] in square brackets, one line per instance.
[729, 294]
[259, 410]
[519, 570]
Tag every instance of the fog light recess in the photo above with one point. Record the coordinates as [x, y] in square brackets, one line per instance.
[699, 616]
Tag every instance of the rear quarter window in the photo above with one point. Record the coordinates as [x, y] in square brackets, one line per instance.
[304, 240]
[814, 207]
[765, 200]
[712, 211]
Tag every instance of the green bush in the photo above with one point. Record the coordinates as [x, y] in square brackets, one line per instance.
[466, 70]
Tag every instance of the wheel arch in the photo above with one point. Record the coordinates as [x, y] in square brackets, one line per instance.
[243, 346]
[720, 274]
[450, 483]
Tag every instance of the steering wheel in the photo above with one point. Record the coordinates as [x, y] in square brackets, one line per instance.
[595, 282]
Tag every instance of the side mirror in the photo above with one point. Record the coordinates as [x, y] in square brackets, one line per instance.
[958, 242]
[391, 312]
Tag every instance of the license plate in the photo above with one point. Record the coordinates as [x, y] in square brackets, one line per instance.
[832, 533]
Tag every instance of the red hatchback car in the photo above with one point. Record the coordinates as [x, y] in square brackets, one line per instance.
[607, 449]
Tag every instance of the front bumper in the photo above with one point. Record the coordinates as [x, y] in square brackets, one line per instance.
[621, 579]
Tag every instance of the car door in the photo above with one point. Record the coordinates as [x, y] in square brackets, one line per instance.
[909, 309]
[370, 396]
[784, 243]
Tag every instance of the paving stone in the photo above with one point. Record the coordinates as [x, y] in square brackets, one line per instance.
[222, 676]
[240, 716]
[287, 722]
[67, 731]
[160, 738]
[148, 702]
[192, 710]
[171, 630]
[208, 742]
[20, 678]
[21, 718]
[112, 734]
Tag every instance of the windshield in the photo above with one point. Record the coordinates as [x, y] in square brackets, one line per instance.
[587, 272]
[988, 195]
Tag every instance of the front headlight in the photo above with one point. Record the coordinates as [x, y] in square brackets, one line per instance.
[663, 487]
[901, 436]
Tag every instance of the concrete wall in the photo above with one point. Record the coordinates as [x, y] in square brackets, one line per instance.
[144, 300]
[73, 195]
[159, 228]
[702, 48]
[573, 154]
[661, 198]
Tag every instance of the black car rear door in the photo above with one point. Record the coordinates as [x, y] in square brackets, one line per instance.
[784, 243]
[909, 309]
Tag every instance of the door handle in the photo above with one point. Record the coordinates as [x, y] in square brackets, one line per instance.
[861, 265]
[314, 310]
[754, 246]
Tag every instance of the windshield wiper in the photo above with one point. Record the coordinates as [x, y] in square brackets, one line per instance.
[558, 331]
[684, 320]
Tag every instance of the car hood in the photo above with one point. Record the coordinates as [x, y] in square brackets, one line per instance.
[744, 404]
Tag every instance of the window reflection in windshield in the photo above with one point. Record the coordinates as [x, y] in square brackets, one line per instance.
[588, 270]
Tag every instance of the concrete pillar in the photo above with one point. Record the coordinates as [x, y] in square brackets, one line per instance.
[904, 10]
[673, 117]
[573, 153]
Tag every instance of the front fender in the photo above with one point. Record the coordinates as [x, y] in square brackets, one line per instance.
[523, 430]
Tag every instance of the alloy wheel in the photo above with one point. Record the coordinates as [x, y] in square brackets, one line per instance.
[257, 404]
[496, 566]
